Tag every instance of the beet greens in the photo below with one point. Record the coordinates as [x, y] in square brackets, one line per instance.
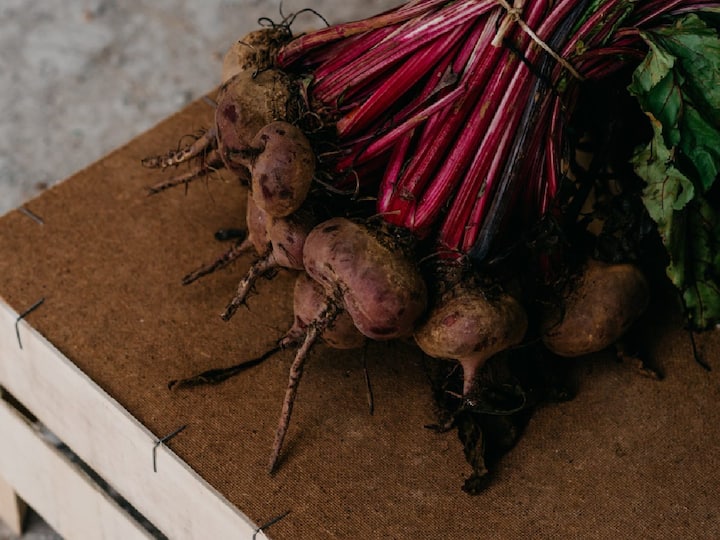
[453, 114]
[464, 122]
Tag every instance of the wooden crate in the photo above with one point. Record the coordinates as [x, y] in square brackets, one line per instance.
[121, 449]
[629, 457]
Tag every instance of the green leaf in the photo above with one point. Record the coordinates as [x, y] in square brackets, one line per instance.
[689, 228]
[701, 294]
[667, 189]
[697, 49]
[679, 84]
[678, 87]
[656, 67]
[701, 144]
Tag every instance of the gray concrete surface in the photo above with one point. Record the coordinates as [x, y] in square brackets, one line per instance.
[80, 77]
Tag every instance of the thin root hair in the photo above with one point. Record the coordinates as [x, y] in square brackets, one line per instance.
[318, 126]
[290, 18]
[448, 256]
[353, 193]
[286, 21]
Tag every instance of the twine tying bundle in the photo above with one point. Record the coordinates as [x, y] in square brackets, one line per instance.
[513, 16]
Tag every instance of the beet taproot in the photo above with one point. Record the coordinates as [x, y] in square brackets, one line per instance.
[309, 302]
[256, 237]
[286, 238]
[255, 52]
[283, 169]
[470, 324]
[381, 288]
[597, 308]
[245, 104]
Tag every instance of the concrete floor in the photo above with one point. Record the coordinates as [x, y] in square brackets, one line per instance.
[78, 78]
[35, 529]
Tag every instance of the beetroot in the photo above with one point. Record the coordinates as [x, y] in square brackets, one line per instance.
[255, 52]
[598, 307]
[286, 238]
[450, 118]
[364, 274]
[309, 302]
[381, 289]
[246, 103]
[470, 324]
[283, 170]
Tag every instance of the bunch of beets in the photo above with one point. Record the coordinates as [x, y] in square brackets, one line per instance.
[454, 172]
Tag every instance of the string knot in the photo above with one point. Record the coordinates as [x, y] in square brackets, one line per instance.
[513, 15]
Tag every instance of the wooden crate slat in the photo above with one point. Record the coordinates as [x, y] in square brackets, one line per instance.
[110, 441]
[12, 507]
[68, 500]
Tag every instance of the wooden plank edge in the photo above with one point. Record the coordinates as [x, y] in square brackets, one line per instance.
[112, 442]
[67, 499]
[12, 507]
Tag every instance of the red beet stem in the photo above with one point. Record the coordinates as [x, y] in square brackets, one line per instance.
[394, 86]
[408, 189]
[299, 47]
[460, 131]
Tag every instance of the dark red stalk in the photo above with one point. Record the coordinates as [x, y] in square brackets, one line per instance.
[488, 141]
[392, 171]
[533, 111]
[473, 194]
[408, 188]
[397, 84]
[553, 156]
[454, 153]
[413, 35]
[374, 148]
[646, 13]
[480, 135]
[460, 64]
[436, 96]
[334, 58]
[299, 47]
